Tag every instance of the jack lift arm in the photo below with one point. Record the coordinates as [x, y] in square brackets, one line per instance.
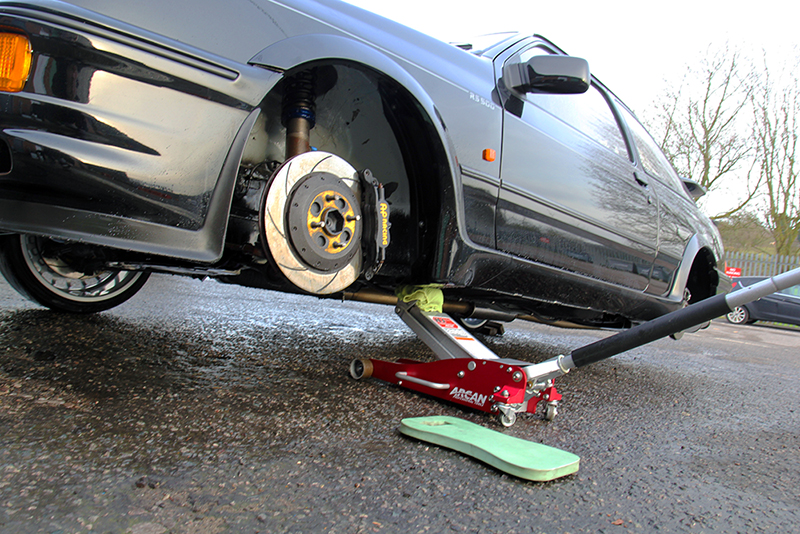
[468, 373]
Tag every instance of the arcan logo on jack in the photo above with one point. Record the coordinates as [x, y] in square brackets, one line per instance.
[468, 396]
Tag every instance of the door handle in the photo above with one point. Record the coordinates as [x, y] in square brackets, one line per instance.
[644, 185]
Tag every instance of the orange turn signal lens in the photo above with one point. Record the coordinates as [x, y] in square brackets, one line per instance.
[15, 61]
[489, 154]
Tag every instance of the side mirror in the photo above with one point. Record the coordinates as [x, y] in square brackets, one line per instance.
[694, 189]
[548, 74]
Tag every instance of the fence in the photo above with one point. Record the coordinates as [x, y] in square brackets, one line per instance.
[752, 264]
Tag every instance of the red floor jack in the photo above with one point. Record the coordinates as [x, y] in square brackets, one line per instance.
[468, 373]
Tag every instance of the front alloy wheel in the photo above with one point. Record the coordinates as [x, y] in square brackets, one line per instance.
[61, 276]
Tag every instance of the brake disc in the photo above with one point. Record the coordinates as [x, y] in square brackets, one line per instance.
[312, 222]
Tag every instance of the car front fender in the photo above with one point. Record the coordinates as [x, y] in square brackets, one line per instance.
[296, 51]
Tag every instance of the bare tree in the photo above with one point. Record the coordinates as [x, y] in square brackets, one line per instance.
[776, 111]
[745, 232]
[700, 125]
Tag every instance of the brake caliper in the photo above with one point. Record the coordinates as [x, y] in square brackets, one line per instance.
[376, 223]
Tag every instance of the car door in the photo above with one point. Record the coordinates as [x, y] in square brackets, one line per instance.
[678, 217]
[569, 197]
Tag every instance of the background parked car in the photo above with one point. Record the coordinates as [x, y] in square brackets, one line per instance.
[780, 307]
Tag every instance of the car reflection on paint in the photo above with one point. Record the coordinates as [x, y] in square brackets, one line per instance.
[780, 307]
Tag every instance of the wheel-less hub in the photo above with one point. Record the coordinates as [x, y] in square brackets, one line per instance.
[324, 221]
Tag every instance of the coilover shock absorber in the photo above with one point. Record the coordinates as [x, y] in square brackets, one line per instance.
[298, 114]
[316, 207]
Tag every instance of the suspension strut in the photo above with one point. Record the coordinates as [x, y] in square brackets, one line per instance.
[299, 112]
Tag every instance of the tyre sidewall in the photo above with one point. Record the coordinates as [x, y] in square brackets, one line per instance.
[16, 271]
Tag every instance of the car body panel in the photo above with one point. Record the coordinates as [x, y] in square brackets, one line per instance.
[788, 305]
[155, 161]
[426, 68]
[563, 194]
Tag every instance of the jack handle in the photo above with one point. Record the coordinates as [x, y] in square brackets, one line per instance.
[671, 323]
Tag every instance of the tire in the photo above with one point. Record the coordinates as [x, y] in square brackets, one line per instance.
[482, 326]
[739, 315]
[472, 324]
[41, 270]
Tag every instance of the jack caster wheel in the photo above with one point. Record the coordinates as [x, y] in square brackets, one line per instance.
[508, 419]
[360, 369]
[550, 412]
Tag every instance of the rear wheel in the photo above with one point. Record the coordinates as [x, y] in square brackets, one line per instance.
[739, 315]
[61, 275]
[473, 324]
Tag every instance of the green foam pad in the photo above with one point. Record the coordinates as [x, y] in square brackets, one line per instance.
[515, 456]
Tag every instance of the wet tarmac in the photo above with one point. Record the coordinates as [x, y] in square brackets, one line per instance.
[202, 408]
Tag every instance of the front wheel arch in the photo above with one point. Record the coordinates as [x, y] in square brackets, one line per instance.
[419, 180]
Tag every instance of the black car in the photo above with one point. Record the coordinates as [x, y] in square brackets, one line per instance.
[313, 147]
[780, 307]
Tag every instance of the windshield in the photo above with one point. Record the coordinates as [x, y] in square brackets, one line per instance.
[481, 43]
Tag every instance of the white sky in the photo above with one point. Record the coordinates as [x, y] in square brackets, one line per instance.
[631, 46]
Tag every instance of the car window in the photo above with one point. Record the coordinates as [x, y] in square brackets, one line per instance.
[652, 160]
[588, 113]
[793, 291]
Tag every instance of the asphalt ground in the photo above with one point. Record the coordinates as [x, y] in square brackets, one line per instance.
[198, 407]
